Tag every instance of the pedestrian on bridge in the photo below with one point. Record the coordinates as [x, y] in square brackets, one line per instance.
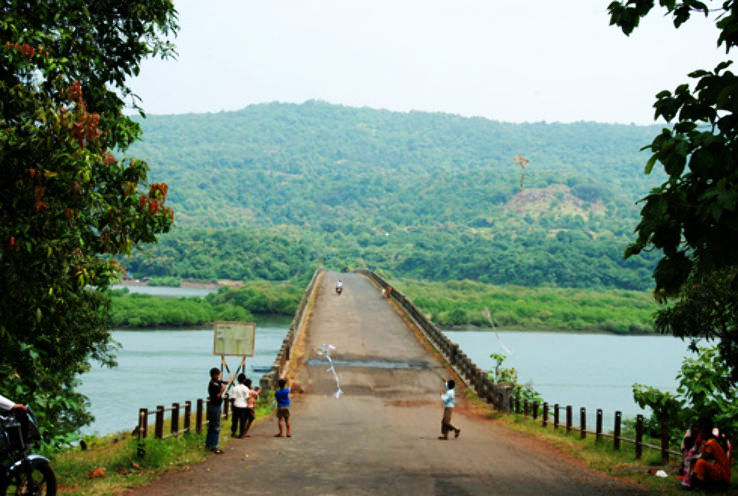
[240, 396]
[282, 396]
[449, 401]
[251, 406]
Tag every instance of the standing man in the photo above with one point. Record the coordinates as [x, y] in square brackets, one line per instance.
[449, 401]
[240, 397]
[216, 388]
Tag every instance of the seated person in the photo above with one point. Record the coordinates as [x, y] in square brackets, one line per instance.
[711, 466]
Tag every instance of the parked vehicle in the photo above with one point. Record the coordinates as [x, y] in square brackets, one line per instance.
[22, 472]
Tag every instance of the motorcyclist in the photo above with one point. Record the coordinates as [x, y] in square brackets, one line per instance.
[339, 286]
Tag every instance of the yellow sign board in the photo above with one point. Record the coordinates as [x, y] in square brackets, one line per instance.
[234, 338]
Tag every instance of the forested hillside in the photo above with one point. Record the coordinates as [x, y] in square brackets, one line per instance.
[273, 190]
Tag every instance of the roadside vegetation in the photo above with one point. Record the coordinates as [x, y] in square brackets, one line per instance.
[120, 457]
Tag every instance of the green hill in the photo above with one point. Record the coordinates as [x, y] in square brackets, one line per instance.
[272, 190]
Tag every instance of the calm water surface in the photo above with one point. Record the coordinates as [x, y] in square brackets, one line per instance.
[166, 290]
[582, 370]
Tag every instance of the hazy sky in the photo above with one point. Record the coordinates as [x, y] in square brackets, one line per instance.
[524, 60]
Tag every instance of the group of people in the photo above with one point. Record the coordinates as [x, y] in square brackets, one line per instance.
[244, 408]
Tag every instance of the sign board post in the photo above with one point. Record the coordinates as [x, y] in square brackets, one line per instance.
[234, 339]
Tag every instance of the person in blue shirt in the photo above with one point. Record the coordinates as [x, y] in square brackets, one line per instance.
[282, 395]
[449, 401]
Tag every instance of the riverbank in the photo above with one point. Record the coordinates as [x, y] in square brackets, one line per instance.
[456, 305]
[138, 310]
[462, 304]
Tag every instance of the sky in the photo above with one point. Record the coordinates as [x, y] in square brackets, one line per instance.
[513, 61]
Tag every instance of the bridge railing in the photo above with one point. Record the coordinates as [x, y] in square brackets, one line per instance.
[270, 379]
[498, 394]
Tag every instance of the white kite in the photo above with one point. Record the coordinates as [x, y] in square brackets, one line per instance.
[325, 350]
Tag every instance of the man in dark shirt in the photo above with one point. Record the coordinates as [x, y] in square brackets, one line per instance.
[216, 388]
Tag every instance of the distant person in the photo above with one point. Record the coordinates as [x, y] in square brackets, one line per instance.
[7, 405]
[216, 388]
[240, 396]
[282, 396]
[449, 401]
[251, 406]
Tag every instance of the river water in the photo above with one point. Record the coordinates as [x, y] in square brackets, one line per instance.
[578, 369]
[166, 290]
[159, 367]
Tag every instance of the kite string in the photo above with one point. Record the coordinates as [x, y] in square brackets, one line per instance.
[488, 316]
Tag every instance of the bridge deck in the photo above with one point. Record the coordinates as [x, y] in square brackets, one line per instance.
[380, 437]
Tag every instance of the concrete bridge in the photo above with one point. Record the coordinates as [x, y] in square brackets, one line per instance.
[381, 436]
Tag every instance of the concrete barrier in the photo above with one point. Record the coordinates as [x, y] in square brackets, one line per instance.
[282, 360]
[500, 395]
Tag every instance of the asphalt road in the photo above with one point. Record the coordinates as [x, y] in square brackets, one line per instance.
[381, 435]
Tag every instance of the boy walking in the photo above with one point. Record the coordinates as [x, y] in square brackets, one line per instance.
[449, 401]
[216, 388]
[282, 395]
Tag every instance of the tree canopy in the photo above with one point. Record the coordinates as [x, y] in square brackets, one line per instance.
[69, 200]
[692, 216]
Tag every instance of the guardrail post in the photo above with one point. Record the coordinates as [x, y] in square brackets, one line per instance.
[568, 418]
[598, 428]
[143, 422]
[454, 353]
[187, 415]
[535, 410]
[545, 414]
[665, 442]
[198, 416]
[616, 431]
[556, 415]
[159, 427]
[639, 437]
[175, 418]
[582, 423]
